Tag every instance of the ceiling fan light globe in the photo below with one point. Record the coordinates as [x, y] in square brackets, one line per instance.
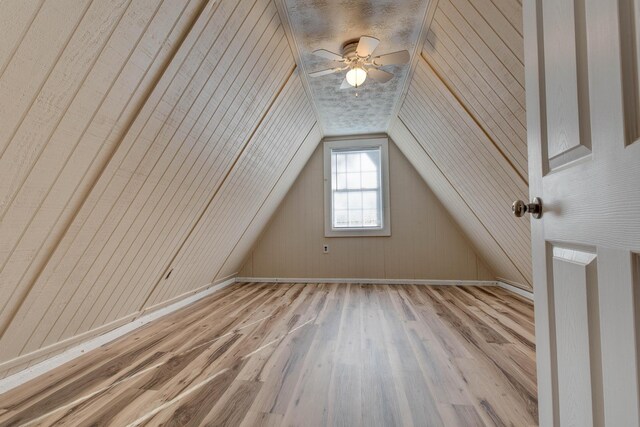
[356, 76]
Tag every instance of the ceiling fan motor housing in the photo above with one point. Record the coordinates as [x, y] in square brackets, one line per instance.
[349, 49]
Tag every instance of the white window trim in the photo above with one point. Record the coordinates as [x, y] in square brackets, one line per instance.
[383, 143]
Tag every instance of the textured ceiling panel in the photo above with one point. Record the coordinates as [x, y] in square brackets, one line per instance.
[327, 24]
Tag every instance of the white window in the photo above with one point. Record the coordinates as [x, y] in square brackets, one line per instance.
[356, 187]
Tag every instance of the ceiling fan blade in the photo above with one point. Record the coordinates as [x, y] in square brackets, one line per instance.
[328, 55]
[366, 46]
[325, 72]
[401, 57]
[345, 84]
[379, 75]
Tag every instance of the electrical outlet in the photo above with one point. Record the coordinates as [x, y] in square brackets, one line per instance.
[325, 249]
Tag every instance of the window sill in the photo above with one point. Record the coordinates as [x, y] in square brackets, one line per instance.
[357, 233]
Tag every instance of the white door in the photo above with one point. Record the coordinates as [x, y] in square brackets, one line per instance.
[583, 132]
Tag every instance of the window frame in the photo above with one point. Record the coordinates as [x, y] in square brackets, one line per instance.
[357, 144]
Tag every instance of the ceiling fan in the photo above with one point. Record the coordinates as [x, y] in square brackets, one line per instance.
[357, 57]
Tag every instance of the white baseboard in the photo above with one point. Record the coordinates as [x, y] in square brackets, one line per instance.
[516, 290]
[38, 369]
[499, 283]
[368, 281]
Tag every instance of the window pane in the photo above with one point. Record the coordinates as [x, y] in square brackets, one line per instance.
[355, 218]
[370, 200]
[369, 180]
[340, 219]
[353, 162]
[355, 187]
[340, 201]
[370, 160]
[370, 218]
[333, 162]
[341, 163]
[355, 200]
[353, 181]
[333, 180]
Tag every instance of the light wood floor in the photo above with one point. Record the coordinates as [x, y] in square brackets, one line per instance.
[305, 355]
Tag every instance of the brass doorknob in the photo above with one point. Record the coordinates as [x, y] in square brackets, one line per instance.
[520, 208]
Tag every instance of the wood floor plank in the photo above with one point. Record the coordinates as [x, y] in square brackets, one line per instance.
[345, 397]
[273, 354]
[310, 399]
[419, 398]
[380, 402]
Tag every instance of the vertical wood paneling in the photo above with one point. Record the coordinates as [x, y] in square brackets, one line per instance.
[126, 163]
[476, 169]
[476, 48]
[425, 242]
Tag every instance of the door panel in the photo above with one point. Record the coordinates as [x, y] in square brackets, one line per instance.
[577, 335]
[566, 81]
[583, 125]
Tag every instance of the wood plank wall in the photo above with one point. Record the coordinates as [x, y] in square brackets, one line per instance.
[146, 133]
[285, 129]
[476, 47]
[425, 242]
[465, 109]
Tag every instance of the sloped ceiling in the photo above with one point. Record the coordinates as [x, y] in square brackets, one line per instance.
[139, 140]
[462, 125]
[476, 48]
